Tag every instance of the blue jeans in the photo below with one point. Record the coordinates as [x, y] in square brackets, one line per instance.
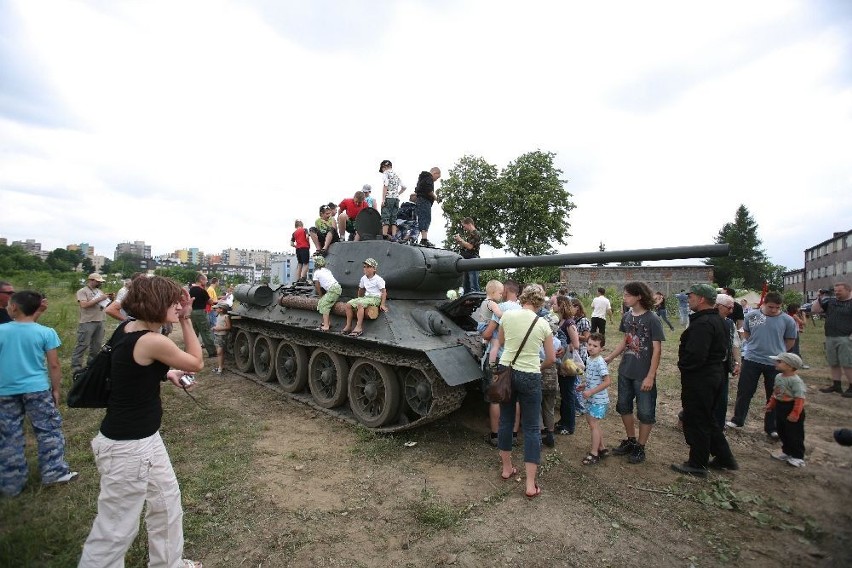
[526, 390]
[423, 210]
[646, 401]
[47, 425]
[471, 281]
[750, 373]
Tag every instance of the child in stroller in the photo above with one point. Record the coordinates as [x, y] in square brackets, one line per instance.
[406, 223]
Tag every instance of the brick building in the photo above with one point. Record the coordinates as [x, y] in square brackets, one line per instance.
[828, 262]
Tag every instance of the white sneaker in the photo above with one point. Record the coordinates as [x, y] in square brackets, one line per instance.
[70, 476]
[796, 462]
[733, 425]
[218, 370]
[781, 456]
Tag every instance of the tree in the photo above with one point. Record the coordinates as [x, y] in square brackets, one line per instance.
[524, 209]
[468, 191]
[537, 205]
[747, 259]
[63, 260]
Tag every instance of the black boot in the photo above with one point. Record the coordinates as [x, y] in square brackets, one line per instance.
[835, 387]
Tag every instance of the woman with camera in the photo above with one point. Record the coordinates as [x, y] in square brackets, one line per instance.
[130, 455]
[522, 335]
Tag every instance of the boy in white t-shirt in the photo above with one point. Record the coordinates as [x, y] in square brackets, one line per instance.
[371, 292]
[220, 330]
[328, 290]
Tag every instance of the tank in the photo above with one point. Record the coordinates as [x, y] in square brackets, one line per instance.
[414, 363]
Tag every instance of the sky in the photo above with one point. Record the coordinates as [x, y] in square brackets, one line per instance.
[216, 124]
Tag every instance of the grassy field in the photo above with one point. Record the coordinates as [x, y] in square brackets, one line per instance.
[237, 512]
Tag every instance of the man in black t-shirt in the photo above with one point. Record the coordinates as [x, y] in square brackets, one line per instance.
[737, 316]
[200, 323]
[6, 291]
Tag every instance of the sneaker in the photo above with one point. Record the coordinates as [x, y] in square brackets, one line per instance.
[565, 432]
[217, 370]
[796, 462]
[732, 424]
[626, 447]
[848, 393]
[833, 388]
[780, 456]
[638, 455]
[70, 476]
[806, 367]
[426, 243]
[491, 439]
[547, 440]
[773, 436]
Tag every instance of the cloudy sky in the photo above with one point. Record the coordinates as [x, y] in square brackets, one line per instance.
[216, 123]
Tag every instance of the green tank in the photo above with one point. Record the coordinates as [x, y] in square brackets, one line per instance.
[414, 363]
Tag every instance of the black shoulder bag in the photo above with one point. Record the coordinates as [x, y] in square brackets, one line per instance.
[90, 387]
[500, 390]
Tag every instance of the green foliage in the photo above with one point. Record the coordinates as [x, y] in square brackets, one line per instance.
[62, 260]
[16, 258]
[126, 264]
[747, 260]
[525, 209]
[792, 297]
[180, 274]
[468, 191]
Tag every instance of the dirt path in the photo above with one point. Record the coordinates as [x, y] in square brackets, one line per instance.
[328, 494]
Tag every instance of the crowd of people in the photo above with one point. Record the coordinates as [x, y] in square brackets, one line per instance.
[720, 341]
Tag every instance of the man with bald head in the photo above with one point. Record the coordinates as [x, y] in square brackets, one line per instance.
[838, 334]
[425, 191]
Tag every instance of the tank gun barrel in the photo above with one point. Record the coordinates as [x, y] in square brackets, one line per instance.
[669, 253]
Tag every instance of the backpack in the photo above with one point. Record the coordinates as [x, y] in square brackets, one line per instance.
[90, 387]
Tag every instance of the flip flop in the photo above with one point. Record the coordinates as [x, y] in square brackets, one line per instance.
[603, 453]
[356, 334]
[511, 475]
[534, 495]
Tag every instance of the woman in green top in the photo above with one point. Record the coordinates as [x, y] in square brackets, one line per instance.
[526, 382]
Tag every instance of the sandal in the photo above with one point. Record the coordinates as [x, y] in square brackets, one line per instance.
[190, 564]
[356, 334]
[511, 475]
[533, 495]
[603, 453]
[591, 459]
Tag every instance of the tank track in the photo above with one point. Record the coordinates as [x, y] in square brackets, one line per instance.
[445, 398]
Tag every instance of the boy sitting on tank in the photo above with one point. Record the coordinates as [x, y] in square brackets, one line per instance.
[328, 290]
[324, 233]
[406, 222]
[371, 292]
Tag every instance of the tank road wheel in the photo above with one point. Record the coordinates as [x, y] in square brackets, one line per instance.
[243, 347]
[264, 357]
[373, 393]
[417, 391]
[291, 366]
[327, 378]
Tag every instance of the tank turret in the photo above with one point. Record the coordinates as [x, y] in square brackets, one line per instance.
[415, 362]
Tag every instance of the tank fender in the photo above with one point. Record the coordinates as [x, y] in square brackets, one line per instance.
[455, 365]
[431, 321]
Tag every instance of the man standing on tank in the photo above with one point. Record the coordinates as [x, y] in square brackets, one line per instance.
[200, 323]
[425, 191]
[469, 247]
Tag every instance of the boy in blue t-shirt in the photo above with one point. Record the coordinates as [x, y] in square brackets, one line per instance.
[597, 380]
[26, 390]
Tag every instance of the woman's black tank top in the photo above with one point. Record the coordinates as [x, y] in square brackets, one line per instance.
[134, 410]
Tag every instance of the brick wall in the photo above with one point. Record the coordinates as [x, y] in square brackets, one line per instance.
[666, 279]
